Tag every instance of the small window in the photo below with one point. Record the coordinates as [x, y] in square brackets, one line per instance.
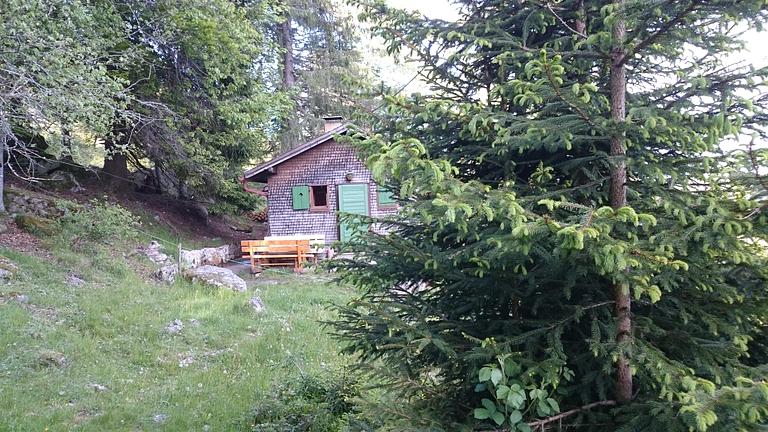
[386, 200]
[318, 197]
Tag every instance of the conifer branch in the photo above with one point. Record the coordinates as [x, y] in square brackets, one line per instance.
[578, 33]
[541, 424]
[583, 114]
[660, 32]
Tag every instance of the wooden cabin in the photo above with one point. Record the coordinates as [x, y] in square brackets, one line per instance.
[308, 185]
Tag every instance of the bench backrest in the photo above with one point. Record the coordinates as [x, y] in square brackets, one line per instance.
[253, 246]
[299, 247]
[316, 241]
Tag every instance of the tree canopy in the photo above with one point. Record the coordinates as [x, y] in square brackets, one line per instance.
[178, 95]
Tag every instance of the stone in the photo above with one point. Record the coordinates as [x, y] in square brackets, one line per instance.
[19, 298]
[65, 180]
[99, 388]
[34, 224]
[3, 228]
[257, 304]
[206, 256]
[153, 252]
[160, 418]
[75, 281]
[167, 273]
[174, 327]
[50, 358]
[185, 359]
[216, 276]
[7, 269]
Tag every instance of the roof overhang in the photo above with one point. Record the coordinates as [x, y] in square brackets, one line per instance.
[263, 171]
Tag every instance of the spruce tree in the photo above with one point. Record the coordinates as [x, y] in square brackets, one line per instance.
[576, 248]
[322, 69]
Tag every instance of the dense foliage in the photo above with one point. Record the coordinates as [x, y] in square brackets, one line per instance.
[577, 248]
[176, 97]
[322, 69]
[54, 73]
[309, 403]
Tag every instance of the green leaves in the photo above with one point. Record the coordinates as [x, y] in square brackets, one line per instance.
[489, 412]
[514, 393]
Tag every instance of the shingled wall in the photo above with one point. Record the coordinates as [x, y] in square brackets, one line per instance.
[325, 164]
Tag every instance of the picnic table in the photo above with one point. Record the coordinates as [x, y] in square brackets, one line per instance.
[282, 251]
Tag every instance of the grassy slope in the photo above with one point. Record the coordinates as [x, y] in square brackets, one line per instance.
[111, 332]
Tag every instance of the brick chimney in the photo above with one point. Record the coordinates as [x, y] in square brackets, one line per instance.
[332, 122]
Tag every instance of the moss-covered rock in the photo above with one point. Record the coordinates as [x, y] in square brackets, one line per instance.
[35, 225]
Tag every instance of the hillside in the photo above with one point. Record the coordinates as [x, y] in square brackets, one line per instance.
[91, 341]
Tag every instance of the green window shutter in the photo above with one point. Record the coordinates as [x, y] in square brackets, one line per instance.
[385, 197]
[300, 197]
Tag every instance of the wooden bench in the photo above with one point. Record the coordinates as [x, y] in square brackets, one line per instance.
[275, 253]
[316, 242]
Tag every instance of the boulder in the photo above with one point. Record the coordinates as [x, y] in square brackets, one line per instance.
[167, 273]
[35, 225]
[206, 256]
[153, 252]
[216, 276]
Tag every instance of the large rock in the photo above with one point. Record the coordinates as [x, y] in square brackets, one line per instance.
[154, 253]
[167, 273]
[30, 203]
[216, 276]
[168, 269]
[206, 256]
[35, 225]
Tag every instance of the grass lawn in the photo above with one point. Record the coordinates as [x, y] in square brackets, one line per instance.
[110, 331]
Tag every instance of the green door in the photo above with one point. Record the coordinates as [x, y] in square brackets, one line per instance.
[353, 198]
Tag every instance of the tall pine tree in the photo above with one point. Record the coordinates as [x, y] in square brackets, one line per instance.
[321, 67]
[576, 249]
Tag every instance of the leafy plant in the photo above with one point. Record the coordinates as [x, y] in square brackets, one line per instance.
[101, 221]
[514, 394]
[311, 403]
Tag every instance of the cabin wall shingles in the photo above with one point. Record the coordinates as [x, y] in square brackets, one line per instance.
[326, 164]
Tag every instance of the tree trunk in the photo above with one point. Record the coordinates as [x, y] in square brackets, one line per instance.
[5, 131]
[3, 139]
[619, 196]
[581, 20]
[290, 135]
[286, 39]
[116, 165]
[66, 143]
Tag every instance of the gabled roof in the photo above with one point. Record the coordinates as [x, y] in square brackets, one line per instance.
[261, 172]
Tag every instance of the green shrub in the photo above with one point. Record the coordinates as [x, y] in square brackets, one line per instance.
[100, 221]
[232, 199]
[311, 404]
